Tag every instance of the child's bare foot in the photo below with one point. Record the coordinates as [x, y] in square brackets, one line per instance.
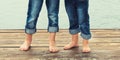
[52, 46]
[86, 47]
[70, 46]
[53, 49]
[25, 46]
[73, 43]
[27, 43]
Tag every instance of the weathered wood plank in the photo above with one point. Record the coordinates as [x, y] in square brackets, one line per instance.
[94, 35]
[59, 41]
[105, 45]
[61, 45]
[42, 53]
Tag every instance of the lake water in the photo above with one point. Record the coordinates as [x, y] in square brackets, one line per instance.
[104, 14]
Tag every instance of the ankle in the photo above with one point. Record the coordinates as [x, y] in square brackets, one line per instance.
[27, 41]
[52, 43]
[74, 43]
[86, 45]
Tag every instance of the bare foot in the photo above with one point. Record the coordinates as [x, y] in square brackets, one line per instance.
[86, 49]
[73, 43]
[53, 49]
[25, 46]
[52, 46]
[70, 46]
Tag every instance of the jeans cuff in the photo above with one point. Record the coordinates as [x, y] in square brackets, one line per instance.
[53, 29]
[30, 31]
[84, 36]
[74, 31]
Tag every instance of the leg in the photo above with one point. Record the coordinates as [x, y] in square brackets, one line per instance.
[33, 13]
[83, 16]
[53, 10]
[74, 27]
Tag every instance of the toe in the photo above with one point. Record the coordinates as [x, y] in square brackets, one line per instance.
[66, 47]
[53, 50]
[21, 47]
[50, 49]
[86, 50]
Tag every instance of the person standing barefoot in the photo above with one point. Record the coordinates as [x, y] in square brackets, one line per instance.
[77, 11]
[34, 9]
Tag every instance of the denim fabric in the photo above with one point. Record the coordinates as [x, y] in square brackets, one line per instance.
[34, 9]
[77, 11]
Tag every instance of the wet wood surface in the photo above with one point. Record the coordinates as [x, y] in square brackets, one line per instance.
[105, 45]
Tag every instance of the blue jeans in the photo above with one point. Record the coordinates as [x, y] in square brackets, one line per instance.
[77, 11]
[34, 9]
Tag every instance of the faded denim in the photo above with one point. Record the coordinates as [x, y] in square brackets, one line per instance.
[77, 11]
[34, 9]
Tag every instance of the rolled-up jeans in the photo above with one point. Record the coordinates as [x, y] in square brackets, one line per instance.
[77, 11]
[34, 8]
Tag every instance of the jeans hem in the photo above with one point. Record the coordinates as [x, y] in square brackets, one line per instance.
[74, 31]
[30, 31]
[84, 36]
[53, 29]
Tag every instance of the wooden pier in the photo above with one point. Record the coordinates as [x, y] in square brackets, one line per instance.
[105, 45]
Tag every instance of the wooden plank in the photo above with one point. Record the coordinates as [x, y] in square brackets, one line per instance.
[22, 35]
[43, 53]
[61, 45]
[105, 45]
[59, 41]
